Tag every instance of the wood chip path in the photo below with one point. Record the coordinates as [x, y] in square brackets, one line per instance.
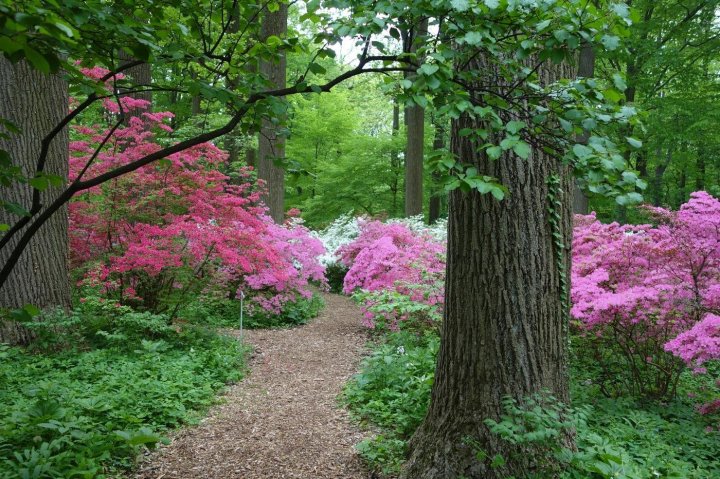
[283, 419]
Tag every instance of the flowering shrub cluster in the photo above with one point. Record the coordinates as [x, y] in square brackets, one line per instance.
[641, 290]
[437, 230]
[385, 253]
[390, 258]
[340, 232]
[179, 228]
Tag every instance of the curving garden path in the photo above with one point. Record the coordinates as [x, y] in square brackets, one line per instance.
[283, 419]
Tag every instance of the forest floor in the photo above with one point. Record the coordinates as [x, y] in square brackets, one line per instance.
[283, 420]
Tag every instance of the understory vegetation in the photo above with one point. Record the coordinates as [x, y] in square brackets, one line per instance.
[101, 383]
[644, 370]
[171, 172]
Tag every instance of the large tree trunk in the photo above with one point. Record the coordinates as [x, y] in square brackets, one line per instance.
[415, 127]
[505, 327]
[35, 103]
[270, 144]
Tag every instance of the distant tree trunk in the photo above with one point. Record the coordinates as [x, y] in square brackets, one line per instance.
[700, 178]
[250, 156]
[434, 204]
[415, 127]
[682, 184]
[657, 182]
[232, 138]
[395, 162]
[505, 327]
[196, 104]
[270, 145]
[141, 77]
[35, 103]
[586, 69]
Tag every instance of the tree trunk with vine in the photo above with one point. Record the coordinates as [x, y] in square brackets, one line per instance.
[505, 329]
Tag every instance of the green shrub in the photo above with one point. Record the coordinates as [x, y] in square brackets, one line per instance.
[335, 275]
[293, 314]
[388, 310]
[212, 311]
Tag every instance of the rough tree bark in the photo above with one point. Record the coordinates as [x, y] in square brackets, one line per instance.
[270, 144]
[35, 103]
[415, 127]
[505, 323]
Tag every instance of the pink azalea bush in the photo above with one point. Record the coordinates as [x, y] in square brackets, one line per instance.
[390, 259]
[699, 344]
[178, 228]
[385, 253]
[636, 288]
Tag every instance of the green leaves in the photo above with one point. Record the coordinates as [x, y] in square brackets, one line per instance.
[634, 142]
[428, 69]
[627, 199]
[36, 59]
[460, 5]
[45, 180]
[610, 42]
[518, 146]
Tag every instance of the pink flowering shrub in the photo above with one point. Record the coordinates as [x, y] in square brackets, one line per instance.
[699, 344]
[391, 267]
[385, 253]
[635, 288]
[178, 228]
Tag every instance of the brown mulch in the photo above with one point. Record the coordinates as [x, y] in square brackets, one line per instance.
[283, 420]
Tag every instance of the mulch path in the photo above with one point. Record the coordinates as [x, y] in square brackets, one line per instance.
[283, 420]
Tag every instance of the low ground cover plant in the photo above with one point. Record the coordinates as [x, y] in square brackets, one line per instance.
[101, 383]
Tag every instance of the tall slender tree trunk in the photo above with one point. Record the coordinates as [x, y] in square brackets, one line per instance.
[682, 184]
[657, 182]
[232, 139]
[434, 203]
[395, 162]
[141, 77]
[35, 103]
[700, 178]
[415, 127]
[270, 144]
[505, 327]
[586, 69]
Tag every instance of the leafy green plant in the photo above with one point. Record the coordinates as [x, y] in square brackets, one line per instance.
[85, 412]
[293, 313]
[392, 392]
[335, 273]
